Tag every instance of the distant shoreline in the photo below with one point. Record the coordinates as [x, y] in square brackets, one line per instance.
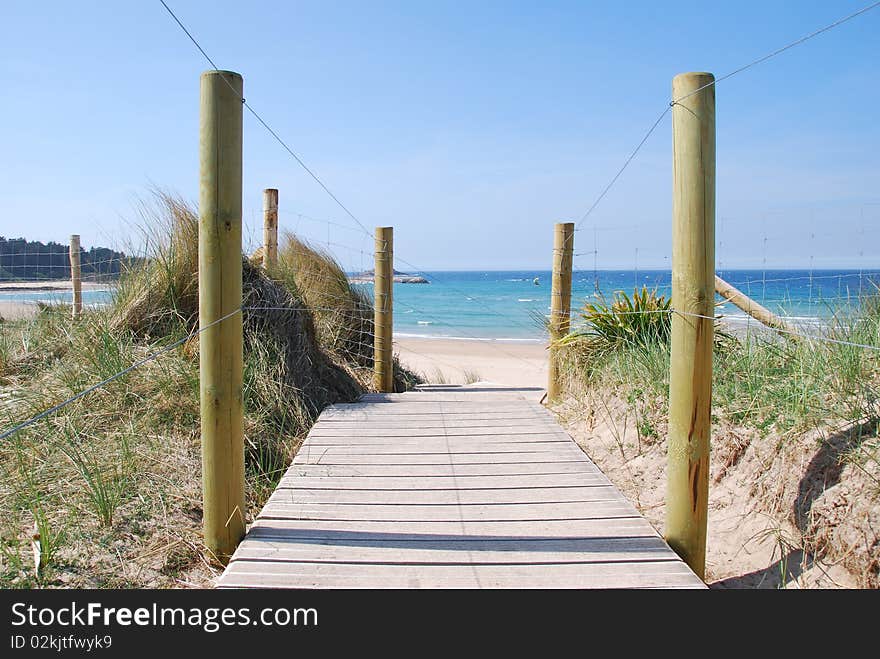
[50, 286]
[398, 279]
[18, 309]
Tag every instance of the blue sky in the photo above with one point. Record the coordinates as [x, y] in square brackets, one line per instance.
[469, 127]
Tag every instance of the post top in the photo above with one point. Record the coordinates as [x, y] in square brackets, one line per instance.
[695, 74]
[220, 72]
[685, 85]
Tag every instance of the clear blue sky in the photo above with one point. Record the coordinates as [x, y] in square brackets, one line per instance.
[470, 127]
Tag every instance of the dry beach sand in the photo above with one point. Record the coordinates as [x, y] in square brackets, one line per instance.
[459, 361]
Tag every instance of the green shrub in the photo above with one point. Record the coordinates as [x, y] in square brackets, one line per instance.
[641, 321]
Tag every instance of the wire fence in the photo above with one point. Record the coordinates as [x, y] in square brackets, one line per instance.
[775, 290]
[27, 266]
[824, 307]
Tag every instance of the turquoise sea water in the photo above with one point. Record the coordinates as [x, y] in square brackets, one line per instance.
[90, 297]
[508, 305]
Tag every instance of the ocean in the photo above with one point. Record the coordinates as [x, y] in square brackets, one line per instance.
[509, 306]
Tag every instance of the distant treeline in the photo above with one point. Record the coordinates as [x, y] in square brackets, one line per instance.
[22, 259]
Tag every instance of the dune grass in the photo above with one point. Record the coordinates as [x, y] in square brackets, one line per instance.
[110, 485]
[760, 379]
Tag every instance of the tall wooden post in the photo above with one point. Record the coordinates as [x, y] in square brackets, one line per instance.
[560, 301]
[383, 282]
[76, 275]
[693, 302]
[220, 343]
[270, 228]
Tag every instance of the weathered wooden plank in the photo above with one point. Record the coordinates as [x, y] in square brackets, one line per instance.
[524, 441]
[568, 528]
[331, 416]
[446, 396]
[419, 541]
[492, 459]
[431, 460]
[451, 497]
[561, 575]
[453, 483]
[443, 421]
[257, 581]
[441, 470]
[436, 397]
[436, 442]
[478, 552]
[496, 454]
[535, 511]
[439, 431]
[604, 492]
[542, 450]
[442, 407]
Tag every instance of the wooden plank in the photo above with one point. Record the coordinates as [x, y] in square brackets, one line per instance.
[455, 483]
[258, 581]
[444, 421]
[421, 541]
[448, 497]
[567, 528]
[444, 395]
[442, 407]
[489, 459]
[535, 511]
[524, 441]
[331, 416]
[441, 470]
[604, 492]
[438, 400]
[435, 442]
[544, 450]
[405, 430]
[478, 552]
[561, 575]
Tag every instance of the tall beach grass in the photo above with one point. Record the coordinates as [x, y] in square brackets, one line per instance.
[110, 484]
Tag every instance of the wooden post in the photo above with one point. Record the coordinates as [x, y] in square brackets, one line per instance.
[220, 343]
[383, 283]
[693, 302]
[270, 228]
[76, 275]
[755, 310]
[560, 302]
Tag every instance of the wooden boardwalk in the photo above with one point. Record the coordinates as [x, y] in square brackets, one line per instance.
[449, 487]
